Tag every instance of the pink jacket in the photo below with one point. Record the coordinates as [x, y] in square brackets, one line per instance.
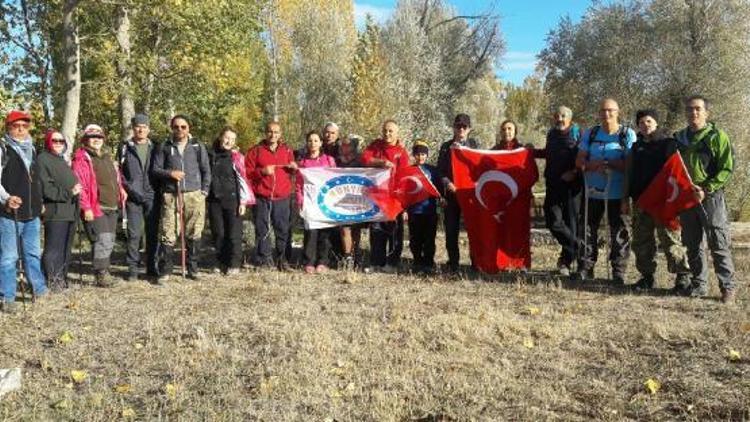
[322, 160]
[84, 170]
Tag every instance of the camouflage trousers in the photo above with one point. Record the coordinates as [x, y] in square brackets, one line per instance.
[194, 210]
[644, 245]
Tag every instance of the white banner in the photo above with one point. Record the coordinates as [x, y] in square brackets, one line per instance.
[336, 196]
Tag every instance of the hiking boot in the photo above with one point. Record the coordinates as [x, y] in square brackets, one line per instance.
[284, 267]
[132, 276]
[10, 308]
[390, 269]
[698, 290]
[193, 275]
[233, 271]
[645, 283]
[563, 269]
[347, 264]
[582, 275]
[104, 279]
[727, 296]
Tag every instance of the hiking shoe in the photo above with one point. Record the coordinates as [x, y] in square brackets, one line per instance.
[162, 279]
[309, 269]
[320, 269]
[698, 290]
[132, 276]
[563, 270]
[583, 274]
[284, 267]
[645, 283]
[104, 279]
[347, 264]
[233, 271]
[193, 276]
[10, 308]
[390, 269]
[727, 296]
[618, 279]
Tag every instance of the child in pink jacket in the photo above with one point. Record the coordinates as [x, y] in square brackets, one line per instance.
[316, 242]
[101, 197]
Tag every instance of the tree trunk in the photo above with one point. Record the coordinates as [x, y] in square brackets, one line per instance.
[72, 60]
[127, 107]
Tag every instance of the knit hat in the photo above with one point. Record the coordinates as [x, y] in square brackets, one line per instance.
[139, 119]
[420, 147]
[16, 115]
[646, 112]
[92, 131]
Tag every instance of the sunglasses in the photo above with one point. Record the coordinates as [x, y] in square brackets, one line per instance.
[182, 127]
[58, 140]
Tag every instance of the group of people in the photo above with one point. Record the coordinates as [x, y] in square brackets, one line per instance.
[166, 191]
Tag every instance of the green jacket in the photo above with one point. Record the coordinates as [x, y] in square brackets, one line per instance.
[708, 156]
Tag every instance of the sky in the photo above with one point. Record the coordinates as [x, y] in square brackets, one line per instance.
[524, 24]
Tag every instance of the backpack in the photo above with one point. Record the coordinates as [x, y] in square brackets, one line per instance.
[706, 155]
[622, 137]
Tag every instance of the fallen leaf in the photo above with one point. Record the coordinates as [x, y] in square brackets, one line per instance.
[65, 338]
[61, 404]
[528, 343]
[533, 310]
[128, 412]
[138, 346]
[122, 388]
[170, 390]
[72, 305]
[734, 355]
[78, 376]
[745, 327]
[652, 385]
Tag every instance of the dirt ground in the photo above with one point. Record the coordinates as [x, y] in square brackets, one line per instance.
[375, 347]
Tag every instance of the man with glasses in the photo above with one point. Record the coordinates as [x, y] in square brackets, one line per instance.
[183, 167]
[708, 156]
[601, 157]
[134, 158]
[452, 211]
[21, 200]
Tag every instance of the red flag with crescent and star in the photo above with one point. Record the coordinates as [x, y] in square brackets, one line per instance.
[493, 189]
[413, 186]
[669, 193]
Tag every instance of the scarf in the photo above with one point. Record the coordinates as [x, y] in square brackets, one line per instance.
[24, 148]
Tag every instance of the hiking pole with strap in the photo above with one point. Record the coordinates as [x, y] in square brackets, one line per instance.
[21, 275]
[181, 215]
[609, 223]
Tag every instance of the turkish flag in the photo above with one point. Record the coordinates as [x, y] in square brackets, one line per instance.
[493, 189]
[383, 196]
[669, 193]
[413, 186]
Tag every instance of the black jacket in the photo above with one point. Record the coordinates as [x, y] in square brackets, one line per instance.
[224, 186]
[444, 164]
[560, 154]
[194, 162]
[647, 159]
[135, 175]
[57, 180]
[21, 182]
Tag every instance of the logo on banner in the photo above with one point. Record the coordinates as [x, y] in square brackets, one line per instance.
[344, 198]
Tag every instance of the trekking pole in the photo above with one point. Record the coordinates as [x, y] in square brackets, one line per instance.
[21, 277]
[585, 221]
[609, 223]
[181, 216]
[79, 234]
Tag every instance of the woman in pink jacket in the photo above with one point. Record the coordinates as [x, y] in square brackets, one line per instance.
[316, 242]
[101, 197]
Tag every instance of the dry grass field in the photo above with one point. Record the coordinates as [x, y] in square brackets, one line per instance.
[350, 347]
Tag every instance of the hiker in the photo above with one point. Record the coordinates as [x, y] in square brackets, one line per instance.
[387, 237]
[708, 155]
[21, 200]
[451, 210]
[316, 242]
[100, 200]
[228, 199]
[141, 210]
[601, 157]
[506, 137]
[423, 216]
[182, 166]
[562, 197]
[351, 254]
[270, 165]
[652, 150]
[60, 190]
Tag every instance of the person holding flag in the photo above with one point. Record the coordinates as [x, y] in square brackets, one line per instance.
[387, 237]
[649, 156]
[708, 156]
[423, 214]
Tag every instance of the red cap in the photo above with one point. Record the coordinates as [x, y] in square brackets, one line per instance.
[17, 115]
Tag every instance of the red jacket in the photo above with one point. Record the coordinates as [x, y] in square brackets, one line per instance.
[84, 171]
[277, 185]
[379, 149]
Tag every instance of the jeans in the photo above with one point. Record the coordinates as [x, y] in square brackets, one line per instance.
[29, 231]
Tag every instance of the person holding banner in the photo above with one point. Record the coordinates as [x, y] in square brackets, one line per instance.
[316, 241]
[652, 150]
[387, 237]
[270, 165]
[423, 216]
[709, 158]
